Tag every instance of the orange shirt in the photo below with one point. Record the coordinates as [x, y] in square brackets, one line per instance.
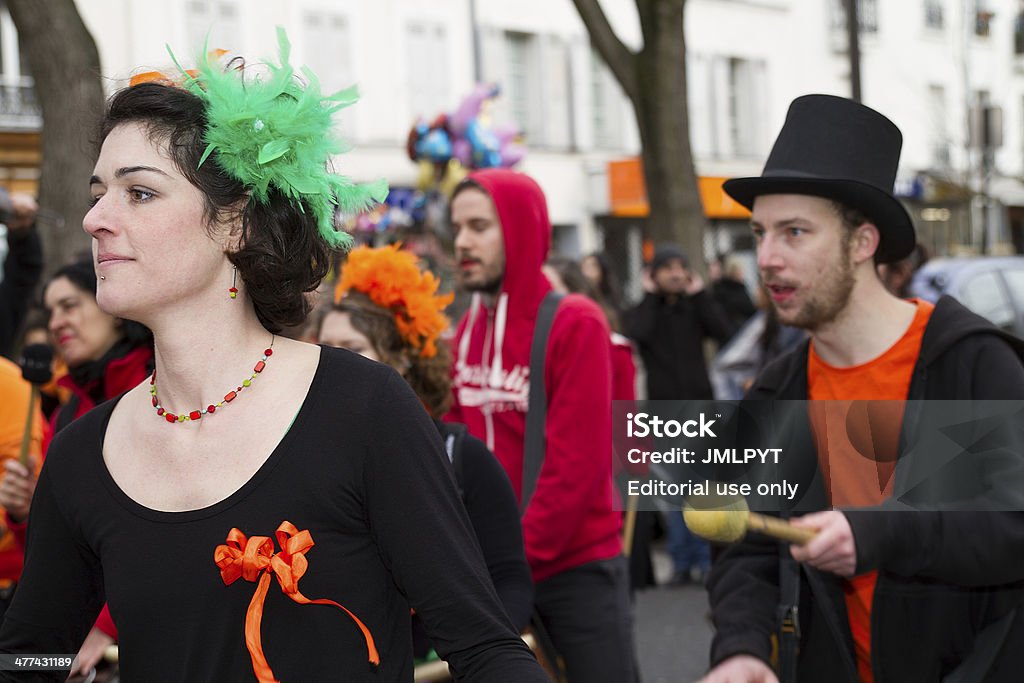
[857, 446]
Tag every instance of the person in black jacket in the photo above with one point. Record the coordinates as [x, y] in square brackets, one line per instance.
[730, 291]
[23, 265]
[669, 327]
[379, 288]
[879, 594]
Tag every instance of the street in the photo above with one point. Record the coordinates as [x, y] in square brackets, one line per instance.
[672, 631]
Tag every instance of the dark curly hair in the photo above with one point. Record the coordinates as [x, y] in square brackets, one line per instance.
[281, 255]
[430, 378]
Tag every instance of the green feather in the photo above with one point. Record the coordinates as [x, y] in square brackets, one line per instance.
[271, 132]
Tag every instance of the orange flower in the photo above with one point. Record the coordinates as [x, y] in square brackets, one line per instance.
[393, 280]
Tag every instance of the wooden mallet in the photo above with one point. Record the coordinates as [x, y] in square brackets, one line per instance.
[727, 519]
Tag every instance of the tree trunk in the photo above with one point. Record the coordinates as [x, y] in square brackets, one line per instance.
[676, 212]
[655, 82]
[65, 66]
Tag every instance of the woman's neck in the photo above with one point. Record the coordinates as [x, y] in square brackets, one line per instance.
[200, 361]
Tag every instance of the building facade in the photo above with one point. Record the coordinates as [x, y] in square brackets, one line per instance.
[950, 74]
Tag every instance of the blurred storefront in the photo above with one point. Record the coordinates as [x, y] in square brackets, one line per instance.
[623, 226]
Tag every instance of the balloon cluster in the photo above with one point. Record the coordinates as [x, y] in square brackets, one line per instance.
[452, 143]
[404, 208]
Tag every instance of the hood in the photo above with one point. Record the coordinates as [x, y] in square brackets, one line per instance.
[953, 322]
[523, 212]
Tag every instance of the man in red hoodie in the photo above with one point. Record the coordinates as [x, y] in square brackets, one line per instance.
[571, 533]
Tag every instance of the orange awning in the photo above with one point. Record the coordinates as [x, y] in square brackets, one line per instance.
[627, 194]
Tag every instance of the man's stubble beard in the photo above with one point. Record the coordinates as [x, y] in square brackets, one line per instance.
[831, 297]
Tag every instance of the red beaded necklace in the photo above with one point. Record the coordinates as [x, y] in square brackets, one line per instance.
[212, 408]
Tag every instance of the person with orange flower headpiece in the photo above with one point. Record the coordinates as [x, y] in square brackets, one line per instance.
[387, 310]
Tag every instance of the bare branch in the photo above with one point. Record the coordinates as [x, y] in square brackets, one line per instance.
[619, 58]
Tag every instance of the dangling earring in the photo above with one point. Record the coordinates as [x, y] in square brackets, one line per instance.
[233, 292]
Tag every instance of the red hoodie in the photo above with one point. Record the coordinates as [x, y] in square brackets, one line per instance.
[570, 520]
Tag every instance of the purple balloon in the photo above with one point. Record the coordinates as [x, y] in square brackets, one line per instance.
[512, 154]
[469, 108]
[505, 132]
[463, 151]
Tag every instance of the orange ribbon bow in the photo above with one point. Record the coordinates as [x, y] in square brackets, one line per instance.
[252, 558]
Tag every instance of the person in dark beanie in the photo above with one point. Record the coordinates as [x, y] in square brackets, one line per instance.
[670, 324]
[878, 594]
[669, 327]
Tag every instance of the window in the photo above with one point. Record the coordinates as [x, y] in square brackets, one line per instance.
[934, 14]
[216, 20]
[519, 49]
[328, 54]
[742, 107]
[1018, 33]
[983, 16]
[427, 70]
[19, 108]
[867, 15]
[606, 98]
[937, 118]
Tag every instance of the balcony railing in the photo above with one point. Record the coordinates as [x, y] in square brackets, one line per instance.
[19, 106]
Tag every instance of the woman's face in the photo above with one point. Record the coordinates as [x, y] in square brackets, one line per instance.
[152, 249]
[81, 331]
[337, 330]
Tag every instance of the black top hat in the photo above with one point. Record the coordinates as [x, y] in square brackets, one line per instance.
[838, 149]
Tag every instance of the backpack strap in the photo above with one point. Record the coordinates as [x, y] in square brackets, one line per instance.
[534, 441]
[455, 436]
[788, 616]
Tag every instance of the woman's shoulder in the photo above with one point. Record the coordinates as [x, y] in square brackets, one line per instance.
[73, 447]
[346, 378]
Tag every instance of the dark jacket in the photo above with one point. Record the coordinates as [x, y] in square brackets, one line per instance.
[670, 334]
[22, 269]
[734, 300]
[949, 582]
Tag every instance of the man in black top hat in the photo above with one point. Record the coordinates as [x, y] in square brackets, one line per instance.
[886, 596]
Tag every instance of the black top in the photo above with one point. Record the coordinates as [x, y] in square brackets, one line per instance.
[361, 468]
[669, 332]
[494, 513]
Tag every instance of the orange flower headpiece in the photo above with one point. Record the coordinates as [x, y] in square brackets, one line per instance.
[391, 278]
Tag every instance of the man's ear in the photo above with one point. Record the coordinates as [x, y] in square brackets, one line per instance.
[864, 242]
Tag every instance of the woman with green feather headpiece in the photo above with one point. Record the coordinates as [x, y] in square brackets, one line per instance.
[257, 507]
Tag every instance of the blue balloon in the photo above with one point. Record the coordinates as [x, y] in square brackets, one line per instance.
[434, 146]
[485, 144]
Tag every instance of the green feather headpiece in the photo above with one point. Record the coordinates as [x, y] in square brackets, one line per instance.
[273, 131]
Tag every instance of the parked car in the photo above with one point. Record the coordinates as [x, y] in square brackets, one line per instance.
[992, 287]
